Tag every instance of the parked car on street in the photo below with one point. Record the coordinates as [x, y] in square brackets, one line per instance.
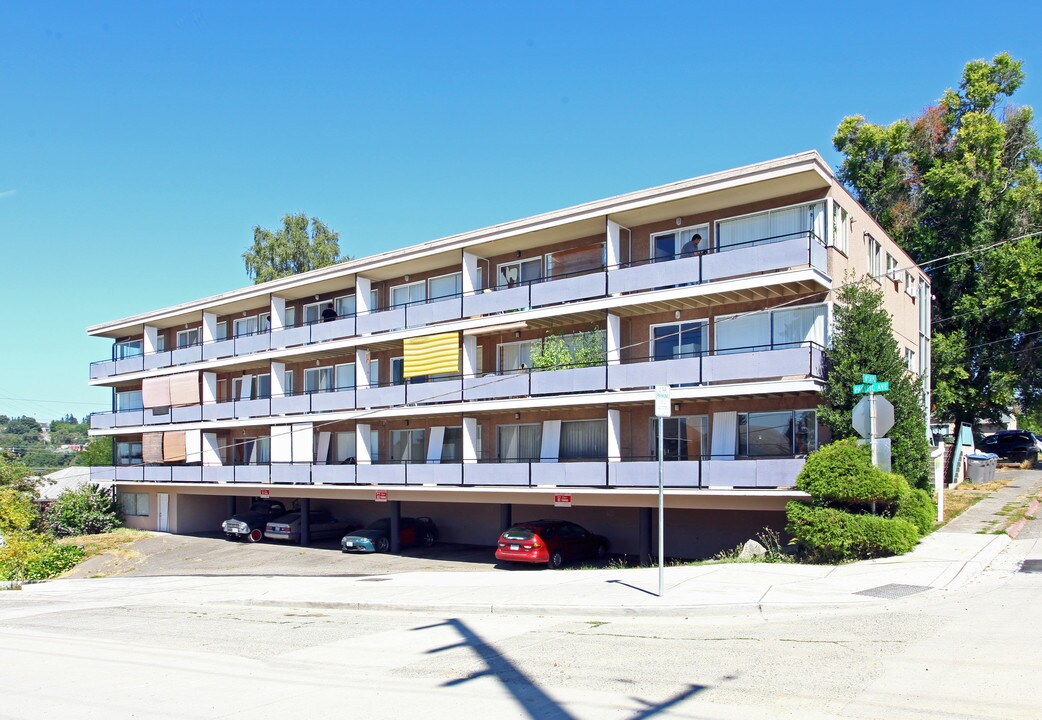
[377, 537]
[554, 542]
[321, 524]
[1012, 445]
[249, 525]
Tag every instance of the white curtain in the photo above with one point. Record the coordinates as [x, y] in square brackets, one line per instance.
[743, 230]
[584, 439]
[724, 435]
[742, 333]
[519, 442]
[443, 287]
[799, 325]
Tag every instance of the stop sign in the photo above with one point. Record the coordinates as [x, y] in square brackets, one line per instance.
[861, 417]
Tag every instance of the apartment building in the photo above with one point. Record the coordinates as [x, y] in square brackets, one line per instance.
[509, 373]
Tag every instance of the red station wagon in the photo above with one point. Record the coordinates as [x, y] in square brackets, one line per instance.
[553, 542]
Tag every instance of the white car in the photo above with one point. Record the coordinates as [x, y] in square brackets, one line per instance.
[321, 525]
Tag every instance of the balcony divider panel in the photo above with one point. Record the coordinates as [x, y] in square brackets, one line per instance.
[289, 337]
[381, 321]
[496, 301]
[290, 404]
[386, 396]
[512, 474]
[436, 391]
[333, 474]
[381, 474]
[489, 387]
[580, 287]
[334, 330]
[583, 473]
[570, 380]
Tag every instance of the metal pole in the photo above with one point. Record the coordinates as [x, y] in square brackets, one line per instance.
[661, 515]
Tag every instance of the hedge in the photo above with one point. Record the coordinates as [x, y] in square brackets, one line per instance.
[829, 535]
[842, 472]
[918, 508]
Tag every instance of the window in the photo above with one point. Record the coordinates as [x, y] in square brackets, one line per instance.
[407, 446]
[398, 373]
[134, 503]
[516, 354]
[262, 387]
[743, 333]
[519, 443]
[452, 445]
[445, 286]
[245, 326]
[777, 434]
[128, 453]
[841, 229]
[347, 448]
[670, 245]
[128, 400]
[264, 322]
[910, 283]
[126, 349]
[405, 294]
[584, 440]
[683, 438]
[187, 338]
[778, 225]
[679, 340]
[345, 376]
[795, 326]
[910, 360]
[222, 331]
[262, 450]
[891, 268]
[520, 272]
[575, 261]
[313, 312]
[772, 329]
[318, 380]
[291, 316]
[875, 259]
[289, 390]
[344, 305]
[160, 342]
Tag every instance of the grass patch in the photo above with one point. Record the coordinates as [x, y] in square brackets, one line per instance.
[102, 543]
[958, 501]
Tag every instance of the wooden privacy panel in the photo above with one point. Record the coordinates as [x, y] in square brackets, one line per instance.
[155, 392]
[152, 448]
[174, 447]
[184, 389]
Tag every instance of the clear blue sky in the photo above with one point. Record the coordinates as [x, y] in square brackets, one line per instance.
[140, 142]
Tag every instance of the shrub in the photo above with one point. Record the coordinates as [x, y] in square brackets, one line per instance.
[34, 556]
[17, 511]
[918, 508]
[842, 472]
[828, 535]
[86, 510]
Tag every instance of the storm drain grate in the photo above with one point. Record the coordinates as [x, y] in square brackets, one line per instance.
[893, 591]
[1031, 566]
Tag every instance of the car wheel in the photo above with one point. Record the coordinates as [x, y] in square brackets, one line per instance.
[255, 535]
[383, 544]
[427, 539]
[556, 560]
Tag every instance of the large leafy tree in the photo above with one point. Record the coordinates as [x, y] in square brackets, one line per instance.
[962, 182]
[863, 342]
[300, 245]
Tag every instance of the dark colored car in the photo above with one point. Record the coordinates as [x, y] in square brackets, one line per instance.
[250, 525]
[1012, 445]
[377, 537]
[554, 542]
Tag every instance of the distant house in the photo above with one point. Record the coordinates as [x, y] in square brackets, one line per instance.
[65, 479]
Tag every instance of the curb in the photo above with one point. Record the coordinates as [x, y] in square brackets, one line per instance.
[1032, 509]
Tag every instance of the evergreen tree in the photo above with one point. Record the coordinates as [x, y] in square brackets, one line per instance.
[863, 342]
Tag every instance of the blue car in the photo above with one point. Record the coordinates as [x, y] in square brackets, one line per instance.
[377, 537]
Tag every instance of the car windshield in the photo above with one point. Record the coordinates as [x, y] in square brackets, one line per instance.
[518, 533]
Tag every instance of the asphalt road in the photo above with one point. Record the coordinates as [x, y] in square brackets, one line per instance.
[159, 651]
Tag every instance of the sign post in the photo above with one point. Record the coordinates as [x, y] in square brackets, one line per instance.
[662, 411]
[873, 417]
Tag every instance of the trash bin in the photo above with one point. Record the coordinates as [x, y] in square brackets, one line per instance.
[980, 468]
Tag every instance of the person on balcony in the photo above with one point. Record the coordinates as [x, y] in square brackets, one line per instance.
[691, 247]
[329, 314]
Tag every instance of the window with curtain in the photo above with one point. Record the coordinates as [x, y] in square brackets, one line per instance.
[222, 331]
[188, 338]
[344, 305]
[405, 294]
[513, 355]
[794, 326]
[519, 443]
[771, 226]
[313, 312]
[262, 388]
[683, 438]
[584, 440]
[670, 245]
[575, 261]
[263, 450]
[128, 453]
[345, 446]
[875, 259]
[345, 376]
[134, 503]
[679, 340]
[407, 446]
[289, 383]
[777, 434]
[743, 333]
[445, 286]
[245, 326]
[841, 229]
[318, 380]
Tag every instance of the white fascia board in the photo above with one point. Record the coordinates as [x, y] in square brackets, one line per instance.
[714, 182]
[751, 282]
[705, 392]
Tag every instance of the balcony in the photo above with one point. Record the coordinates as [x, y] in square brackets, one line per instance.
[757, 257]
[802, 360]
[767, 473]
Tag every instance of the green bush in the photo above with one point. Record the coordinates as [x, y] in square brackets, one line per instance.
[842, 472]
[918, 508]
[829, 535]
[18, 512]
[33, 556]
[85, 510]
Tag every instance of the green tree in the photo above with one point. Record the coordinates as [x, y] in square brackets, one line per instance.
[582, 349]
[296, 248]
[863, 342]
[97, 453]
[18, 512]
[16, 475]
[963, 179]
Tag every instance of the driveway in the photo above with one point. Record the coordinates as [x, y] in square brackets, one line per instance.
[161, 554]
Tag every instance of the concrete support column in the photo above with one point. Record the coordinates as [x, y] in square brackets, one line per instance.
[471, 274]
[505, 517]
[613, 339]
[363, 444]
[278, 378]
[305, 522]
[614, 436]
[231, 506]
[363, 286]
[362, 379]
[613, 244]
[151, 340]
[278, 313]
[644, 536]
[396, 522]
[209, 327]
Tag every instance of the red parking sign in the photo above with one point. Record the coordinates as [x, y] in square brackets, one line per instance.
[562, 500]
[265, 492]
[381, 496]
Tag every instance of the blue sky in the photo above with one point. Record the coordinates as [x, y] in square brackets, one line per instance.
[140, 142]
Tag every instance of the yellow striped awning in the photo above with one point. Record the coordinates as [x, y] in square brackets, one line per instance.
[431, 354]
